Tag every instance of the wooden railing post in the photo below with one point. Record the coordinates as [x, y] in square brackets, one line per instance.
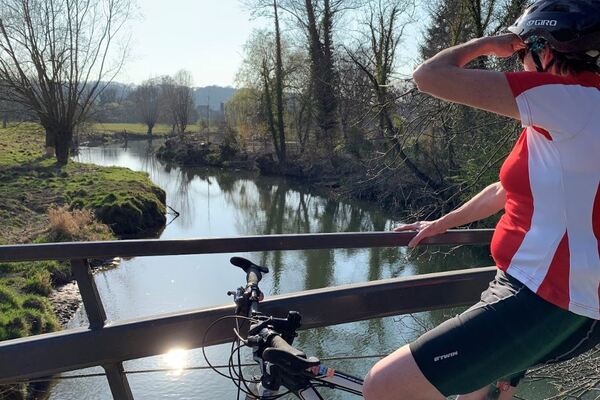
[117, 380]
[89, 293]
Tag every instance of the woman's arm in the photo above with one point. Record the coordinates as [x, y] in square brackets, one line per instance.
[485, 204]
[443, 75]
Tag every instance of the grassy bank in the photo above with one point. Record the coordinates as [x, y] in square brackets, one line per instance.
[40, 202]
[133, 130]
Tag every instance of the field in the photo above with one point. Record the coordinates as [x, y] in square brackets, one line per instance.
[134, 129]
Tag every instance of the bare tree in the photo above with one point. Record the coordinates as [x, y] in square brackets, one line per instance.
[177, 98]
[270, 9]
[317, 20]
[56, 56]
[147, 101]
[386, 22]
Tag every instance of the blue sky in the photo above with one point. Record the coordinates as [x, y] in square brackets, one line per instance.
[204, 37]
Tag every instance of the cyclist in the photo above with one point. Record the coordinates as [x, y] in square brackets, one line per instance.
[543, 305]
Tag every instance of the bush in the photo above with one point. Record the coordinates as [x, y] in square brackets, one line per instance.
[76, 225]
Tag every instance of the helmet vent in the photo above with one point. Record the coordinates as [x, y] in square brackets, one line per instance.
[557, 8]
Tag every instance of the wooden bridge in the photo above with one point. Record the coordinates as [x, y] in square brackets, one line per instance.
[109, 343]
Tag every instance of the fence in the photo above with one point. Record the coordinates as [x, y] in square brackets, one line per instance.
[108, 344]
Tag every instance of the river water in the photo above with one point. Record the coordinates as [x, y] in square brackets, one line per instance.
[213, 203]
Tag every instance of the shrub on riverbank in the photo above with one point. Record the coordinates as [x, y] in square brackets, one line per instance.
[75, 226]
[191, 150]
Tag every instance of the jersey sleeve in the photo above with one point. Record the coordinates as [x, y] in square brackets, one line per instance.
[560, 105]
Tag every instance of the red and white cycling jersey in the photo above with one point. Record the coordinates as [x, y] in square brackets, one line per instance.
[549, 236]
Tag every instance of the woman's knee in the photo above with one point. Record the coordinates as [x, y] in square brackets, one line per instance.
[375, 383]
[398, 377]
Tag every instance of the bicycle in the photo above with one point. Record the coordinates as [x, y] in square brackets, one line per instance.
[271, 339]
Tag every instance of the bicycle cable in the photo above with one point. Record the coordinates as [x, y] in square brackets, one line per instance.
[158, 370]
[236, 317]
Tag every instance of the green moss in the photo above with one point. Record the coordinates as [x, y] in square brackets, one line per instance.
[30, 184]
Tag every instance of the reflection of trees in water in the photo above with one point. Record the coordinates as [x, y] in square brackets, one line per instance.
[266, 207]
[430, 259]
[110, 154]
[375, 261]
[274, 225]
[182, 198]
[320, 264]
[189, 188]
[226, 182]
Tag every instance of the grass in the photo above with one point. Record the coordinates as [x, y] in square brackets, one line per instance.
[134, 129]
[41, 202]
[140, 131]
[31, 183]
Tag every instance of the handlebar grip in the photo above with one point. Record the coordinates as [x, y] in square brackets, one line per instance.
[245, 264]
[287, 356]
[253, 272]
[279, 343]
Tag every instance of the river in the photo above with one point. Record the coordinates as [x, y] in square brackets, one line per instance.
[214, 203]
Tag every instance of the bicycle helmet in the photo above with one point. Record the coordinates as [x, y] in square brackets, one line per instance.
[570, 27]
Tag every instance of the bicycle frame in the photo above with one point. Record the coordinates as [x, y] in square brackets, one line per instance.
[326, 377]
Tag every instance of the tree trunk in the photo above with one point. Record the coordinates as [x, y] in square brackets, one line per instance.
[404, 157]
[150, 127]
[50, 143]
[279, 91]
[269, 110]
[63, 146]
[4, 121]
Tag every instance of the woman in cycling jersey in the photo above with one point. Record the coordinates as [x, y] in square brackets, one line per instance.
[543, 306]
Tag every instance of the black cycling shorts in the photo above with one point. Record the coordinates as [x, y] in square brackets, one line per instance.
[510, 330]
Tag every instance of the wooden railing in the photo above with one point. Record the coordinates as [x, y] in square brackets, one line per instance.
[108, 344]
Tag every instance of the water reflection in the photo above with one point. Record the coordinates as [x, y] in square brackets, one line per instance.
[214, 203]
[176, 360]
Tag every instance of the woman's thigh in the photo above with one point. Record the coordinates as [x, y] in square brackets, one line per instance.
[510, 330]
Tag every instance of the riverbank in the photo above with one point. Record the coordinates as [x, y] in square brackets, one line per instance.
[41, 202]
[341, 176]
[98, 134]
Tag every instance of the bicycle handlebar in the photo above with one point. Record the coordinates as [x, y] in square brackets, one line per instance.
[253, 272]
[267, 333]
[287, 356]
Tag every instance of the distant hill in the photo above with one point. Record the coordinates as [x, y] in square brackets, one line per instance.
[217, 95]
[116, 92]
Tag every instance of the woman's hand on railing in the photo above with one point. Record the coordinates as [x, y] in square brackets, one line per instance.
[424, 230]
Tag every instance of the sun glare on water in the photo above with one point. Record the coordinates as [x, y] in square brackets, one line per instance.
[176, 360]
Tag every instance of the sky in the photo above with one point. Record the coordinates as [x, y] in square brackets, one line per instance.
[205, 37]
